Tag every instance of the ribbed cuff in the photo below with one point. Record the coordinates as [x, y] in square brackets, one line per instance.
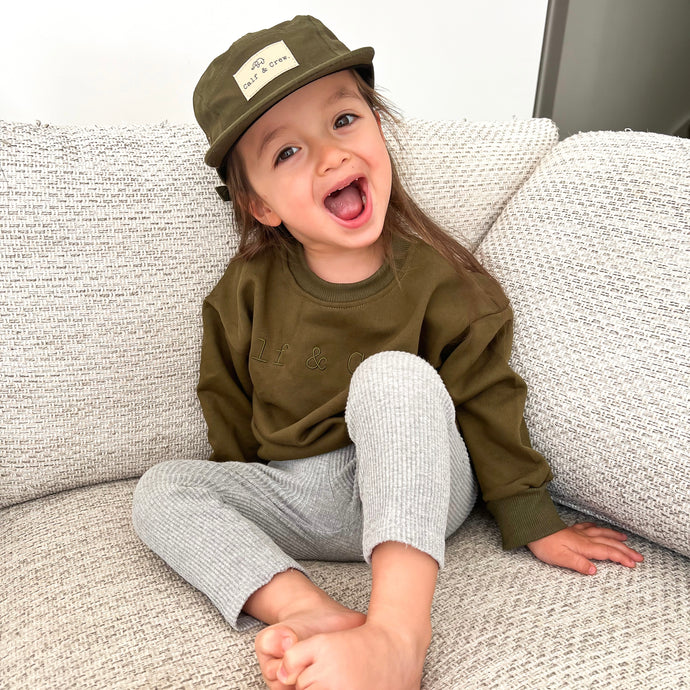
[526, 517]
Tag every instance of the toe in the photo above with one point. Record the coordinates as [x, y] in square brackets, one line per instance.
[297, 659]
[274, 641]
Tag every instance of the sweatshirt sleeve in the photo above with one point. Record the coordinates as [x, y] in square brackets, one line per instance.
[490, 398]
[225, 393]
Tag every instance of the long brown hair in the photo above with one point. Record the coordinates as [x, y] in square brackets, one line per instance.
[404, 218]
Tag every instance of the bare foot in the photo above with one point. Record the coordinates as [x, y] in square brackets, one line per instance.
[362, 658]
[302, 621]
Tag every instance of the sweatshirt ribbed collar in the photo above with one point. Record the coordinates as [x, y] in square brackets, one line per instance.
[344, 292]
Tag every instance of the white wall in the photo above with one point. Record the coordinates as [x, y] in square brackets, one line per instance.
[85, 61]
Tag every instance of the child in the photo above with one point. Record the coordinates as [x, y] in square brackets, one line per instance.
[346, 347]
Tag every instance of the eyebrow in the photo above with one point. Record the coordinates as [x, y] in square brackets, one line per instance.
[339, 95]
[268, 138]
[342, 94]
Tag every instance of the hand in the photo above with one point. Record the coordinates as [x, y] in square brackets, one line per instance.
[572, 548]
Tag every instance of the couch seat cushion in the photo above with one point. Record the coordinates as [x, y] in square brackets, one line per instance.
[86, 605]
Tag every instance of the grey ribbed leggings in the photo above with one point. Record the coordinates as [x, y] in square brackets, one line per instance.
[228, 528]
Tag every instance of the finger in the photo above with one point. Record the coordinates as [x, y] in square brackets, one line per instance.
[616, 552]
[607, 533]
[593, 530]
[627, 551]
[636, 556]
[575, 561]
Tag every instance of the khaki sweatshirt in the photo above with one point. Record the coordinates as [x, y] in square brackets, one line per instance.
[280, 345]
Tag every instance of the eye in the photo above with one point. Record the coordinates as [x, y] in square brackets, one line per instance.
[286, 153]
[344, 120]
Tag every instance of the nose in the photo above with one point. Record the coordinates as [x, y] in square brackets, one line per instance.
[330, 156]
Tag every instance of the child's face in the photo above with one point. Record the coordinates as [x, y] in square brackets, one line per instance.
[318, 163]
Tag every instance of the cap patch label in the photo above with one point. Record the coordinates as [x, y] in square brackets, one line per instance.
[263, 67]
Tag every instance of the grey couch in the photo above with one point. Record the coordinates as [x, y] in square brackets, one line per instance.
[109, 240]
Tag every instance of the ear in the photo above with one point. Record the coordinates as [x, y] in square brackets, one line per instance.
[264, 214]
[377, 115]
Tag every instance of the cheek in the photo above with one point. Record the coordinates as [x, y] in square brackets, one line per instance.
[295, 191]
[381, 156]
[386, 171]
[293, 200]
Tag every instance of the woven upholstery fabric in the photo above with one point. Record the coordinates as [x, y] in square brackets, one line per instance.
[86, 605]
[594, 252]
[109, 240]
[463, 173]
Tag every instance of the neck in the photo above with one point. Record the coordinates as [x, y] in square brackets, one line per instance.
[346, 267]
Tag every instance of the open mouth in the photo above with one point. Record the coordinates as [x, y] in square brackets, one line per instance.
[347, 202]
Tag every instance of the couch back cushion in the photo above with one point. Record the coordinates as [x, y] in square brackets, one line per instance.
[594, 252]
[109, 240]
[463, 173]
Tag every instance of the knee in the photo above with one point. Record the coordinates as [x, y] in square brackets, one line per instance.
[393, 365]
[157, 482]
[162, 474]
[398, 376]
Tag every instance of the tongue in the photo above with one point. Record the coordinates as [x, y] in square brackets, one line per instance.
[346, 204]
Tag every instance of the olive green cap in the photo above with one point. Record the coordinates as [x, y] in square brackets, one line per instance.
[260, 69]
